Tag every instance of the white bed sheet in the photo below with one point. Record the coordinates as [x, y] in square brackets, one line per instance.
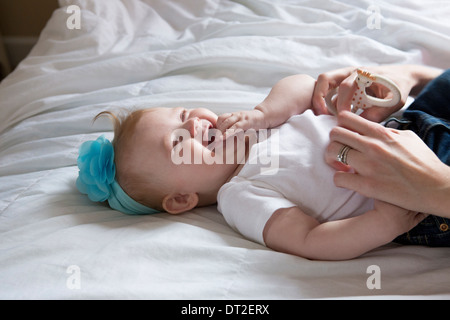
[224, 55]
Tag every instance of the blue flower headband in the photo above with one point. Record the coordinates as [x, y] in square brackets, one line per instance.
[96, 177]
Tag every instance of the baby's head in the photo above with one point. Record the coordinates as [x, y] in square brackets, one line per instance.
[148, 145]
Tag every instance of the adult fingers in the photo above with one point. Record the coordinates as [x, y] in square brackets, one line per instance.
[326, 82]
[356, 160]
[360, 125]
[331, 154]
[362, 184]
[345, 136]
[347, 88]
[350, 181]
[378, 114]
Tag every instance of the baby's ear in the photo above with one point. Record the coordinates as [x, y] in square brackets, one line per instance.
[177, 203]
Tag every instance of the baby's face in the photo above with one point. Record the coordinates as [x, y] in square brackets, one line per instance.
[173, 142]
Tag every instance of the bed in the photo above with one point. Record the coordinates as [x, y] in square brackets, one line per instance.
[224, 55]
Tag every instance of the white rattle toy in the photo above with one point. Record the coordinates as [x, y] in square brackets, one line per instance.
[363, 101]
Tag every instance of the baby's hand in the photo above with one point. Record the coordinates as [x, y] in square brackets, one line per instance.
[242, 120]
[397, 219]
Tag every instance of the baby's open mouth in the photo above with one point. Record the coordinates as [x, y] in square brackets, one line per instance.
[208, 133]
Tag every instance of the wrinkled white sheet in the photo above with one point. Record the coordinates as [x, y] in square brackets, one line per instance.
[225, 55]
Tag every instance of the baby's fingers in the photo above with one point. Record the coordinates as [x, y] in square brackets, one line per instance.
[234, 121]
[226, 121]
[221, 118]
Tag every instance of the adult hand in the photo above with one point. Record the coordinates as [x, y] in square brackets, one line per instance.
[344, 78]
[391, 165]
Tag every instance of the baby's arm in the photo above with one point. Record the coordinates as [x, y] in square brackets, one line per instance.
[292, 231]
[291, 95]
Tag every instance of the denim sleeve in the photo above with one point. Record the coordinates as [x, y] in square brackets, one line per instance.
[435, 98]
[429, 116]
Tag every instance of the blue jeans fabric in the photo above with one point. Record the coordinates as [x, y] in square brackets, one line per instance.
[429, 117]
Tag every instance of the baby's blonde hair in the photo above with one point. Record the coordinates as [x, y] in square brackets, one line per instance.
[142, 188]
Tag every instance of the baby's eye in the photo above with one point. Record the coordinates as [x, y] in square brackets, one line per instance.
[183, 115]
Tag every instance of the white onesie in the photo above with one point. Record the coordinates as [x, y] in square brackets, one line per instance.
[298, 176]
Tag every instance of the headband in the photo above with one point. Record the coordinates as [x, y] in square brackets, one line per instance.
[96, 177]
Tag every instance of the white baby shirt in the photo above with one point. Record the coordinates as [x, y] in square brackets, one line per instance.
[285, 170]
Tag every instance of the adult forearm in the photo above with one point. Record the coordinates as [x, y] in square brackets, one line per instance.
[436, 198]
[421, 75]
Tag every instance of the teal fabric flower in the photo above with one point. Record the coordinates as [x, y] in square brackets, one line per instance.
[97, 169]
[96, 178]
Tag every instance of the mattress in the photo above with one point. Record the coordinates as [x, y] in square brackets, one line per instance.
[224, 55]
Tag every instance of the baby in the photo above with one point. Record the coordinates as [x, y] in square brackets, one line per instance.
[175, 159]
